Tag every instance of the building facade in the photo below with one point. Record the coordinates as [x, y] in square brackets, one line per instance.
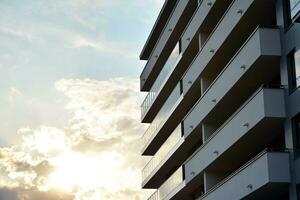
[223, 98]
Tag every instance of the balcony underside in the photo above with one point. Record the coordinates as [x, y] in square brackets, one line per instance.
[229, 159]
[242, 88]
[179, 18]
[171, 81]
[235, 143]
[265, 177]
[205, 19]
[274, 191]
[232, 31]
[174, 159]
[157, 28]
[169, 124]
[257, 75]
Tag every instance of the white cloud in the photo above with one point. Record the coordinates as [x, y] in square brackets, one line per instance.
[13, 94]
[102, 45]
[97, 153]
[83, 42]
[104, 123]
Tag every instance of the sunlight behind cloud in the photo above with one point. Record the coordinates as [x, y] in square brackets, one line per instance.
[47, 141]
[95, 157]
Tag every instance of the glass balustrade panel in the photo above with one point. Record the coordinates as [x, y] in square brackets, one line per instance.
[162, 114]
[175, 180]
[164, 150]
[154, 196]
[168, 67]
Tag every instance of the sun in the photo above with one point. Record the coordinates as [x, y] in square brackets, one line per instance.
[73, 171]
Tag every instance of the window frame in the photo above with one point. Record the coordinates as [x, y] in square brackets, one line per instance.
[298, 190]
[296, 133]
[288, 21]
[295, 69]
[291, 64]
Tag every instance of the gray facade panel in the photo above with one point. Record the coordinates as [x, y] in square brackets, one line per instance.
[238, 97]
[217, 38]
[165, 43]
[195, 23]
[247, 56]
[252, 114]
[253, 177]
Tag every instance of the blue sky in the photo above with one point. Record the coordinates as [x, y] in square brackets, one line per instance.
[66, 64]
[44, 41]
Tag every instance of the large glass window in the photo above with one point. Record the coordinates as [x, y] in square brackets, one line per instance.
[294, 68]
[298, 191]
[294, 3]
[295, 7]
[296, 130]
[297, 68]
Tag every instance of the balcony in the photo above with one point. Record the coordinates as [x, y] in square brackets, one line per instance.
[205, 18]
[163, 153]
[159, 119]
[264, 177]
[254, 15]
[171, 185]
[295, 10]
[157, 29]
[255, 125]
[238, 22]
[171, 33]
[168, 67]
[247, 70]
[259, 51]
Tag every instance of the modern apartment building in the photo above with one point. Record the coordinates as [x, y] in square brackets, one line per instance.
[223, 102]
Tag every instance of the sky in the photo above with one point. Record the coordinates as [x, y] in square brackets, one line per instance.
[70, 100]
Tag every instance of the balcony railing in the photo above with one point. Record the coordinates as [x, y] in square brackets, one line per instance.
[162, 114]
[167, 68]
[174, 181]
[162, 152]
[224, 138]
[295, 7]
[227, 187]
[154, 196]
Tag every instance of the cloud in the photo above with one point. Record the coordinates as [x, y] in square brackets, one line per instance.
[13, 94]
[33, 194]
[96, 153]
[83, 42]
[100, 107]
[87, 144]
[103, 45]
[96, 149]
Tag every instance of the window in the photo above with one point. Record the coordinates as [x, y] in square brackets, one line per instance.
[180, 45]
[294, 7]
[296, 130]
[298, 191]
[291, 12]
[287, 14]
[294, 69]
[297, 68]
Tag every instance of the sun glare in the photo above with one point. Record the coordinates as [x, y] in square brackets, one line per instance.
[75, 171]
